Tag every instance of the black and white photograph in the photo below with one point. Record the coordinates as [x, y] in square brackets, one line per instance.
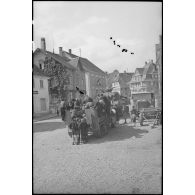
[97, 97]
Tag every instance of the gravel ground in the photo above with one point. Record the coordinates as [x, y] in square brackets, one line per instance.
[127, 160]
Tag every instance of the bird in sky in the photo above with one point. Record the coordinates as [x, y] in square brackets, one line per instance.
[123, 50]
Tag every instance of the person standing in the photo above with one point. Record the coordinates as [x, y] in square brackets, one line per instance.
[133, 115]
[83, 130]
[68, 114]
[125, 112]
[63, 112]
[75, 131]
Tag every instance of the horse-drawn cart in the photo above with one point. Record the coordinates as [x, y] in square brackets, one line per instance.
[98, 125]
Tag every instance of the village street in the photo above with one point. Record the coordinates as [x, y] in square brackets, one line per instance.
[127, 160]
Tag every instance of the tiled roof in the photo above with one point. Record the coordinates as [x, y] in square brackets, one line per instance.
[71, 61]
[89, 66]
[86, 64]
[57, 57]
[38, 72]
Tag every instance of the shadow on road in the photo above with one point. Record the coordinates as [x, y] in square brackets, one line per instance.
[47, 126]
[119, 133]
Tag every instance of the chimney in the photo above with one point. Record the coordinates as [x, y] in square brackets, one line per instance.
[43, 45]
[70, 51]
[60, 51]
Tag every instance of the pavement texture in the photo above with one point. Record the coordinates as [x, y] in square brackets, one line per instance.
[45, 117]
[127, 160]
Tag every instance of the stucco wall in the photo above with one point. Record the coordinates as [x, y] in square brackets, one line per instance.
[42, 93]
[38, 58]
[94, 87]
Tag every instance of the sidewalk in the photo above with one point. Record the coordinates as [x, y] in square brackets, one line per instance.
[44, 117]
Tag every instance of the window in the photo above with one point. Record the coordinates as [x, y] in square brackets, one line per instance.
[33, 83]
[41, 83]
[40, 66]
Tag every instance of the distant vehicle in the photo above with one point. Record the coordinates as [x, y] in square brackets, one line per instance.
[150, 113]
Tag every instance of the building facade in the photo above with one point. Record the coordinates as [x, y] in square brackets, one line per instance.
[120, 84]
[144, 83]
[61, 74]
[88, 76]
[80, 72]
[40, 92]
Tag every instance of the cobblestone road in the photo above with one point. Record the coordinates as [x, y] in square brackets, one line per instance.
[127, 160]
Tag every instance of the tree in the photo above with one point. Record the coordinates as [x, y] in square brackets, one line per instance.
[116, 96]
[59, 78]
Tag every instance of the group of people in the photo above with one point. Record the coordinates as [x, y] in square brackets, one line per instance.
[73, 113]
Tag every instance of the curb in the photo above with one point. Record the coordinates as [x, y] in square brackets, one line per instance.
[36, 120]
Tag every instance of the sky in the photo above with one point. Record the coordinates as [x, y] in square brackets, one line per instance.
[88, 26]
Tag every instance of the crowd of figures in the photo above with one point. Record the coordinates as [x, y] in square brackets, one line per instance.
[77, 115]
[73, 113]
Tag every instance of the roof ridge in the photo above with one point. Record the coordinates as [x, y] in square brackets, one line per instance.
[61, 59]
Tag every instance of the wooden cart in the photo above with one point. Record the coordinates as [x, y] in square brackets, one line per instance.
[98, 125]
[147, 114]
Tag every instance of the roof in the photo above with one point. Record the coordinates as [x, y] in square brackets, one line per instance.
[86, 64]
[71, 61]
[140, 70]
[149, 68]
[111, 78]
[89, 66]
[38, 72]
[57, 57]
[126, 77]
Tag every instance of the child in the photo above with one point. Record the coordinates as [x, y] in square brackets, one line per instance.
[83, 126]
[75, 131]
